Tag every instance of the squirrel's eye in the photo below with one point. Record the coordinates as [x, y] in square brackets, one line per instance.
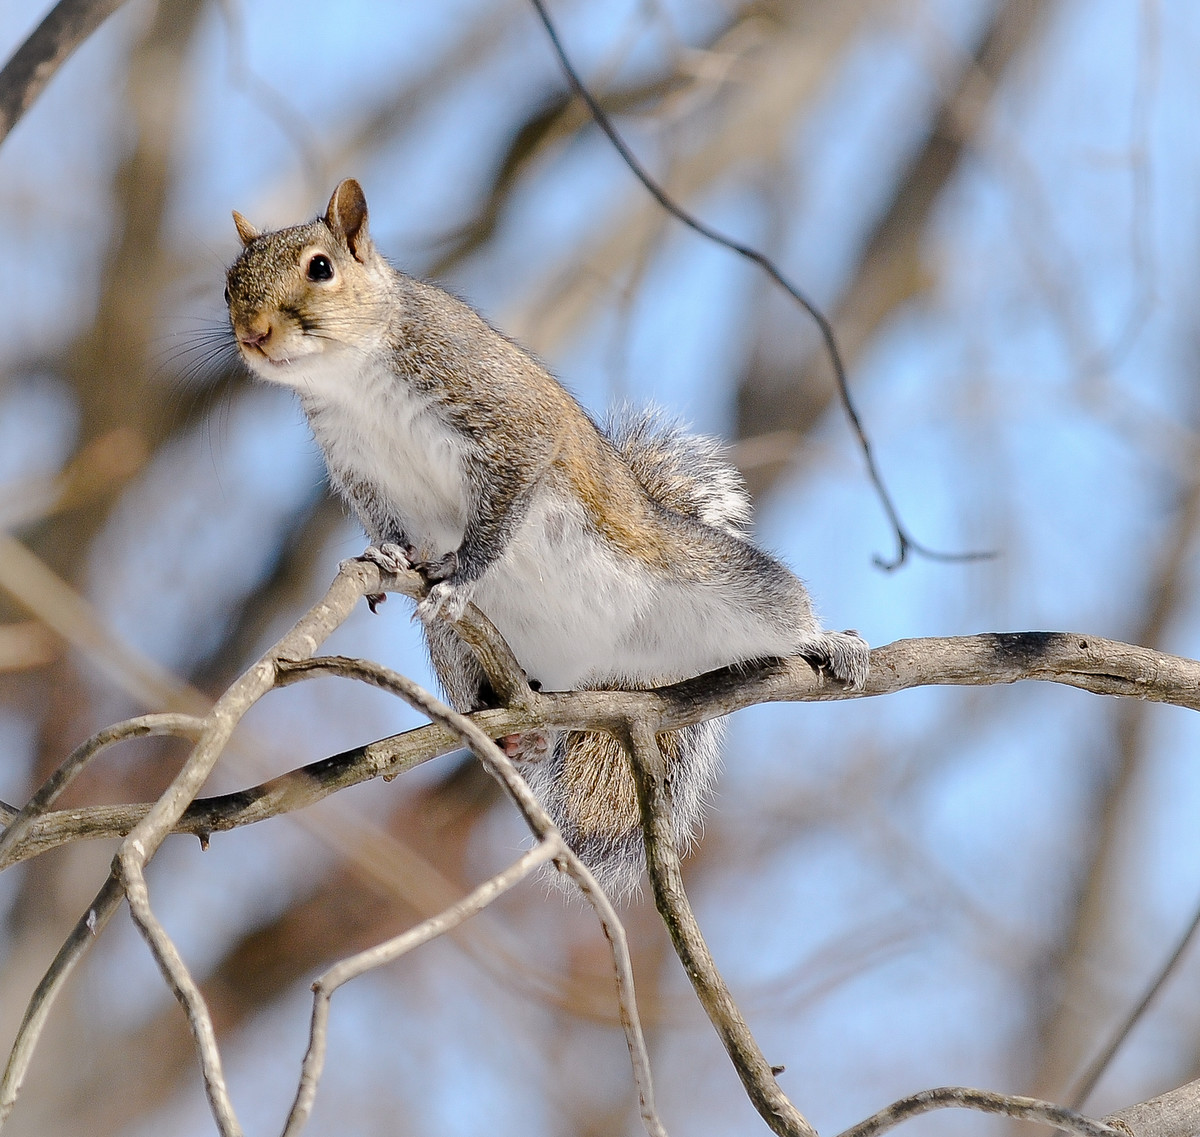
[226, 295]
[320, 268]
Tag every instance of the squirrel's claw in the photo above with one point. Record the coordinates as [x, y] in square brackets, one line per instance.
[844, 656]
[440, 569]
[388, 556]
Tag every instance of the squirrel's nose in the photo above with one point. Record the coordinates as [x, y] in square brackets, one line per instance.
[252, 337]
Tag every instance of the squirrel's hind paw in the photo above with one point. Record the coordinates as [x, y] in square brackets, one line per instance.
[445, 599]
[844, 656]
[528, 746]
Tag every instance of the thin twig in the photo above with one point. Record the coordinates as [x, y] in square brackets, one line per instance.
[501, 768]
[388, 952]
[666, 880]
[985, 1101]
[93, 921]
[187, 726]
[905, 540]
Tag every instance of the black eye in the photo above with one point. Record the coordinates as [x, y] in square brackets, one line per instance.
[227, 295]
[320, 268]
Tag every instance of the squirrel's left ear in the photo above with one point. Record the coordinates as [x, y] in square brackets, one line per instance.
[347, 216]
[245, 230]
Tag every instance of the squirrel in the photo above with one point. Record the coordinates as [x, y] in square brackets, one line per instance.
[607, 558]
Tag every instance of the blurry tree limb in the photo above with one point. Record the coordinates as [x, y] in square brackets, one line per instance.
[28, 580]
[111, 372]
[26, 644]
[47, 48]
[1096, 1068]
[1081, 1010]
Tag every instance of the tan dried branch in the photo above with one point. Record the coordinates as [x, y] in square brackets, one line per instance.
[666, 880]
[93, 921]
[961, 1097]
[1105, 667]
[187, 726]
[388, 952]
[286, 661]
[501, 768]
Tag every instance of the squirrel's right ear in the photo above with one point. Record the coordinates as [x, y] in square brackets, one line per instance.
[245, 230]
[347, 216]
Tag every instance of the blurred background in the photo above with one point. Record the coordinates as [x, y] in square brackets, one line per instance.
[994, 200]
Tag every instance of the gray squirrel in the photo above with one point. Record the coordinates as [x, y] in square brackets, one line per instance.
[613, 558]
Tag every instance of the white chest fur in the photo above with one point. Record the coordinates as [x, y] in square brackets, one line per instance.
[384, 436]
[573, 608]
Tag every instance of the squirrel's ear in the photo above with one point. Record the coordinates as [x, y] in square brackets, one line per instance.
[246, 231]
[347, 215]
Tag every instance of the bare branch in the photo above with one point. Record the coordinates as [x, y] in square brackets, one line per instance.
[501, 768]
[48, 47]
[107, 901]
[187, 726]
[1105, 667]
[960, 1097]
[666, 880]
[1173, 1114]
[388, 952]
[905, 541]
[1099, 665]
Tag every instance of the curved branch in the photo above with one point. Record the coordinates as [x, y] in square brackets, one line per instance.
[985, 1101]
[48, 47]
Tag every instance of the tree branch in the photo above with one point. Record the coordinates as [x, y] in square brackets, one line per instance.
[1173, 1114]
[48, 47]
[1008, 1105]
[1091, 663]
[666, 880]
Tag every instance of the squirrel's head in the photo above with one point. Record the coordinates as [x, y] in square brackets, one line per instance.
[297, 294]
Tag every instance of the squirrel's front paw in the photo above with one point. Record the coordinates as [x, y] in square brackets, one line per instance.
[844, 656]
[390, 558]
[445, 599]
